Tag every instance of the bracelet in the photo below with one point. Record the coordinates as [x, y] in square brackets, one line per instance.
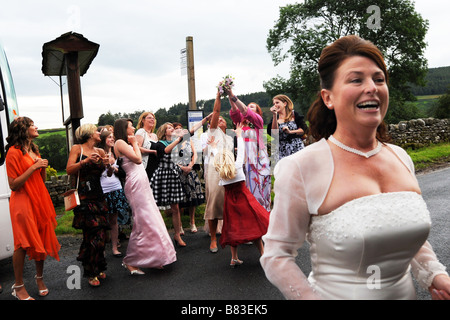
[234, 98]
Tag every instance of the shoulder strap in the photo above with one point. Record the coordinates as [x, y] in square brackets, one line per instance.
[81, 154]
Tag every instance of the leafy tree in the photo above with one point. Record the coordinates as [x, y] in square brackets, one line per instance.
[109, 118]
[441, 108]
[303, 30]
[53, 147]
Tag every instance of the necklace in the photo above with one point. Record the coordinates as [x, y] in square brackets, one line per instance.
[356, 151]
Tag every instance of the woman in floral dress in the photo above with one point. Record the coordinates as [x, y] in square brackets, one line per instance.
[257, 163]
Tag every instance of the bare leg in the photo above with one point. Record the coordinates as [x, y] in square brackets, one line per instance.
[192, 218]
[212, 229]
[176, 221]
[234, 257]
[114, 233]
[259, 244]
[43, 291]
[18, 263]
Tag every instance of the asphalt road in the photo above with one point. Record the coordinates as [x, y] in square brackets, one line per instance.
[199, 276]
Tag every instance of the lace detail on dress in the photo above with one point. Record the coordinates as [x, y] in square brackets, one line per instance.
[384, 232]
[427, 271]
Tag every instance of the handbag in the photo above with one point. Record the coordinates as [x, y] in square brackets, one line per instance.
[71, 197]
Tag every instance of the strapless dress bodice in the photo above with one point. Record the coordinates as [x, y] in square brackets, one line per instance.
[363, 249]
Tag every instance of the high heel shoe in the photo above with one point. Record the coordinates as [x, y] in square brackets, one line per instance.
[213, 249]
[44, 292]
[235, 263]
[14, 293]
[137, 272]
[179, 242]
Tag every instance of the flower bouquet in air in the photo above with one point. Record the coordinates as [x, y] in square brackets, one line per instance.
[225, 85]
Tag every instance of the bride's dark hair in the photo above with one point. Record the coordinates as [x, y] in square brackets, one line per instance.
[322, 121]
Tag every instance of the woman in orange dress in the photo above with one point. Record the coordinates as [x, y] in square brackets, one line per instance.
[33, 216]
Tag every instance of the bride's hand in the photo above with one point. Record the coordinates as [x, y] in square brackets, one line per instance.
[440, 289]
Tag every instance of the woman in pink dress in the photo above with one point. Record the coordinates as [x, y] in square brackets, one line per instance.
[149, 245]
[257, 162]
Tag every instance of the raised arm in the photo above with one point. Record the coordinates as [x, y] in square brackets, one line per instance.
[200, 124]
[121, 148]
[236, 103]
[216, 112]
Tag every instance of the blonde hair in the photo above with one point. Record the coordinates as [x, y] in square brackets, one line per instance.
[142, 117]
[224, 164]
[85, 132]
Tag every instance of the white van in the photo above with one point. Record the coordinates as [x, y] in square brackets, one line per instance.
[8, 110]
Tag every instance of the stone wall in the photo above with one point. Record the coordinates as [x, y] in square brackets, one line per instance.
[56, 186]
[420, 132]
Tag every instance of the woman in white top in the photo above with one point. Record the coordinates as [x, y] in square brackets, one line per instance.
[113, 191]
[213, 192]
[145, 136]
[353, 196]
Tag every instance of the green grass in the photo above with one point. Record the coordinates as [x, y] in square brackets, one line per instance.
[431, 155]
[64, 219]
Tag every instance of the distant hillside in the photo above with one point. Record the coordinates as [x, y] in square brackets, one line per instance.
[437, 82]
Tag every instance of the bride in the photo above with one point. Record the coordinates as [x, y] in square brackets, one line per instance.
[352, 195]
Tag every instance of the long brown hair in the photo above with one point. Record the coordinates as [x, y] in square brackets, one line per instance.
[322, 121]
[289, 109]
[18, 135]
[120, 129]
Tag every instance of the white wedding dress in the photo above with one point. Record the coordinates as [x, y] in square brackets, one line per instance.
[365, 249]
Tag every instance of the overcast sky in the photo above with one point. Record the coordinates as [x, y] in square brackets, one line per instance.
[138, 64]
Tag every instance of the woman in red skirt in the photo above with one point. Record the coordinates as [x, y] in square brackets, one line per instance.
[244, 219]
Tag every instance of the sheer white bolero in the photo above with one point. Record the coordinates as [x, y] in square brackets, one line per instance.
[302, 181]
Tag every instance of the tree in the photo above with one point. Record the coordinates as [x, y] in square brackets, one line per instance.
[441, 108]
[303, 30]
[53, 147]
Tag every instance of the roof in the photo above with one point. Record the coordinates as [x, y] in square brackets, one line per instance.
[53, 53]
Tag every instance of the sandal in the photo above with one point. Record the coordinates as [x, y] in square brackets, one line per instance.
[94, 282]
[14, 293]
[43, 292]
[235, 263]
[102, 276]
[133, 272]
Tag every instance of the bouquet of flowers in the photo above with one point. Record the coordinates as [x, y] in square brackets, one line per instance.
[226, 84]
